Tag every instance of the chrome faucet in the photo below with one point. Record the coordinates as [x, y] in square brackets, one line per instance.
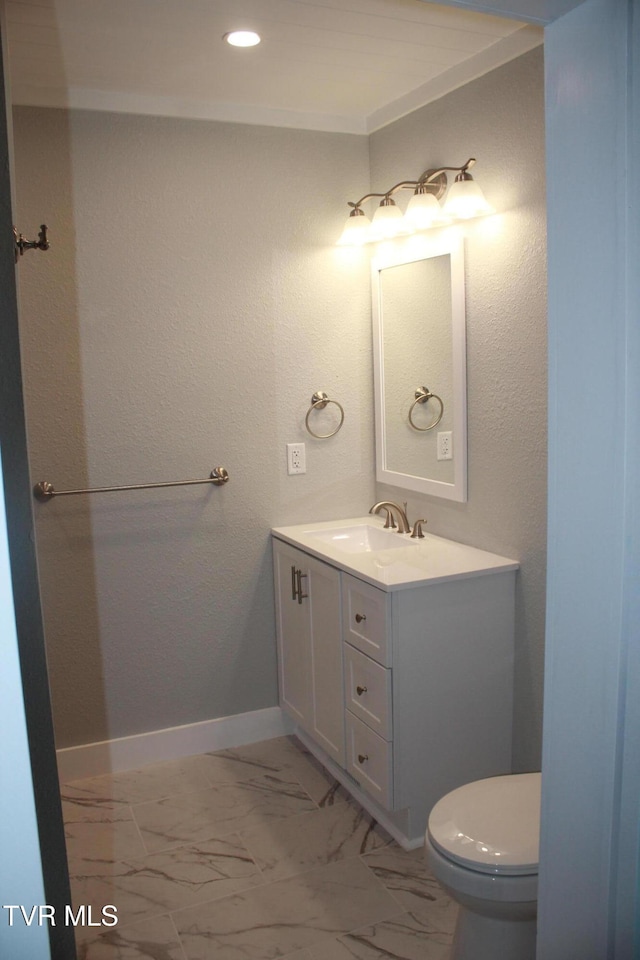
[390, 506]
[389, 523]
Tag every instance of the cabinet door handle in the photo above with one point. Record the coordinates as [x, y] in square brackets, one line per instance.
[299, 577]
[293, 582]
[360, 617]
[361, 690]
[362, 757]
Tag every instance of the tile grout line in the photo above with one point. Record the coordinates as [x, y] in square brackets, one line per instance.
[144, 846]
[182, 946]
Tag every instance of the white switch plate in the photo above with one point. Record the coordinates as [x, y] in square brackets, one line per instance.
[296, 458]
[445, 445]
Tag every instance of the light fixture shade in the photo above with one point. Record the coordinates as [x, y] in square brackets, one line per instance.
[424, 211]
[356, 230]
[465, 200]
[388, 222]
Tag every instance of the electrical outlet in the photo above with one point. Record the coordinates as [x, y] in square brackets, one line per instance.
[296, 458]
[445, 445]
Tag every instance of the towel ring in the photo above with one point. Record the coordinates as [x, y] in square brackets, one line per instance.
[423, 395]
[318, 402]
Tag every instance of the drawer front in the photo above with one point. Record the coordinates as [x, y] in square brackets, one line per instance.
[366, 619]
[369, 761]
[368, 691]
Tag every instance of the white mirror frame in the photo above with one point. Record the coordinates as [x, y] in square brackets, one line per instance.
[398, 253]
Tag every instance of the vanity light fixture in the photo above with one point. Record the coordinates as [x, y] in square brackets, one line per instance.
[424, 211]
[356, 229]
[464, 200]
[388, 221]
[242, 38]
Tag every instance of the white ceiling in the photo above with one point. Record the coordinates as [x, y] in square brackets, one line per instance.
[341, 65]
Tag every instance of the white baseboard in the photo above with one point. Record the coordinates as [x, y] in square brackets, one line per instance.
[129, 753]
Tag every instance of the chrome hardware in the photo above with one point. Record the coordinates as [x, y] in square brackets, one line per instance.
[218, 476]
[403, 523]
[22, 244]
[389, 522]
[423, 395]
[360, 617]
[362, 757]
[45, 491]
[434, 181]
[299, 578]
[318, 402]
[360, 690]
[417, 533]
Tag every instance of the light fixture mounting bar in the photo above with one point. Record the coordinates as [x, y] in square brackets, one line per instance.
[435, 179]
[464, 201]
[430, 176]
[367, 196]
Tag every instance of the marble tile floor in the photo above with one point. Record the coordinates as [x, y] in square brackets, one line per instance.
[247, 854]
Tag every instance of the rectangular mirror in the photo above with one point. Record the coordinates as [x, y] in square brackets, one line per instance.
[419, 346]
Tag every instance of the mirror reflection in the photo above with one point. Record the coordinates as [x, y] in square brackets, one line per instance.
[418, 311]
[417, 299]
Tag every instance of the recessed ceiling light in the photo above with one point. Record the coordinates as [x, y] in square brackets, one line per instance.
[242, 38]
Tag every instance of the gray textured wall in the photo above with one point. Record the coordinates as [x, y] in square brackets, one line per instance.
[191, 303]
[499, 119]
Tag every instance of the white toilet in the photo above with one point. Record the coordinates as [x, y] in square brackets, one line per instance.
[482, 846]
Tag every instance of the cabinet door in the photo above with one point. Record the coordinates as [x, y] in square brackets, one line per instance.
[326, 656]
[310, 646]
[294, 637]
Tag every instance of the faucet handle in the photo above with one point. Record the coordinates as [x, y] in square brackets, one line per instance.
[417, 533]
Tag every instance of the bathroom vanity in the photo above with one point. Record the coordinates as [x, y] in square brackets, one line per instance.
[395, 662]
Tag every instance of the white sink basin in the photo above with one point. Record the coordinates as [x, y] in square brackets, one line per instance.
[387, 559]
[363, 538]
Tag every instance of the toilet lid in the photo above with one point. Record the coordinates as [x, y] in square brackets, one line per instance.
[492, 826]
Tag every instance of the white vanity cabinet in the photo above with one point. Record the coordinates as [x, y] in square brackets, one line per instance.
[448, 676]
[406, 687]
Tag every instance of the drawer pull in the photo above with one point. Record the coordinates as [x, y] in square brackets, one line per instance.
[360, 617]
[362, 757]
[361, 690]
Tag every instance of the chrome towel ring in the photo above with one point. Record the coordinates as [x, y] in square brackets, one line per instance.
[423, 395]
[318, 402]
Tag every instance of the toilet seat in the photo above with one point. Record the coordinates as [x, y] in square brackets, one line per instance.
[490, 826]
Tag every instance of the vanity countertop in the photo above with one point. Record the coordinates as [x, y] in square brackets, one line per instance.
[410, 563]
